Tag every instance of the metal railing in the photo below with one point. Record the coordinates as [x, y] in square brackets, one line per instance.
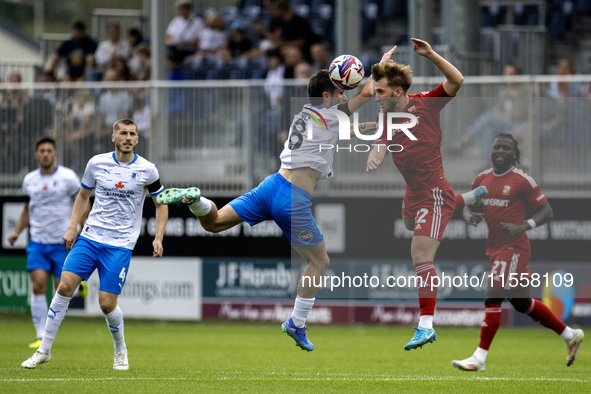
[226, 136]
[27, 68]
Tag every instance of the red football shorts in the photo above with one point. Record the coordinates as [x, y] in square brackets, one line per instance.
[508, 268]
[431, 209]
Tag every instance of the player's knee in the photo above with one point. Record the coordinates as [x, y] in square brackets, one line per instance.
[65, 290]
[321, 262]
[107, 306]
[520, 304]
[212, 227]
[39, 288]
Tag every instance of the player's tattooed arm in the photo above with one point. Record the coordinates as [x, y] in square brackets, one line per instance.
[364, 128]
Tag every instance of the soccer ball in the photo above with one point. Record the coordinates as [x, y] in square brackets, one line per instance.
[346, 72]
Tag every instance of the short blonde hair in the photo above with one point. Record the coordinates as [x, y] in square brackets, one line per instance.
[125, 121]
[398, 75]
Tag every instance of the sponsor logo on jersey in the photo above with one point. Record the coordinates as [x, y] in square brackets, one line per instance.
[119, 185]
[305, 236]
[495, 202]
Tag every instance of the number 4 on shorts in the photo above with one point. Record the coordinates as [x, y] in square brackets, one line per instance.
[122, 275]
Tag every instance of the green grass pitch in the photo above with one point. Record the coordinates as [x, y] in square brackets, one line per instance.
[229, 357]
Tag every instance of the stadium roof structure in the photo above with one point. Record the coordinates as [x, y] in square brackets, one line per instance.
[15, 45]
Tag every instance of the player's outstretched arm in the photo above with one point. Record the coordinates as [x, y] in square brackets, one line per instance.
[387, 57]
[376, 157]
[364, 128]
[161, 219]
[80, 205]
[23, 223]
[453, 76]
[363, 96]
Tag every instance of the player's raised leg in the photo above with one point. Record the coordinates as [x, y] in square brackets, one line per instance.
[473, 197]
[212, 219]
[175, 196]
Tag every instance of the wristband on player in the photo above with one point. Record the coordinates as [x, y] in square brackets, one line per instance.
[532, 223]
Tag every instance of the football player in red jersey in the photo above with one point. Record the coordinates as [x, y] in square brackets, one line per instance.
[429, 198]
[510, 192]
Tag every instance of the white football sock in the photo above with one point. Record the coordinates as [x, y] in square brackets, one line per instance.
[481, 354]
[469, 197]
[39, 313]
[201, 207]
[301, 308]
[55, 316]
[115, 323]
[567, 334]
[426, 321]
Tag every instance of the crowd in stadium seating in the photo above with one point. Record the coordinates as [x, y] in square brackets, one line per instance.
[237, 42]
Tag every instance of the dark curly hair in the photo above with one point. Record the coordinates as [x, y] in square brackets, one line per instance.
[515, 145]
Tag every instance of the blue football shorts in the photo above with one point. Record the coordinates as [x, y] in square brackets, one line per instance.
[46, 257]
[288, 205]
[112, 263]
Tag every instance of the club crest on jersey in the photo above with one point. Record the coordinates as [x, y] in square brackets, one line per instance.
[506, 190]
[412, 109]
[135, 176]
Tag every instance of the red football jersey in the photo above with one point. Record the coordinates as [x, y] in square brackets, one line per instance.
[420, 161]
[509, 196]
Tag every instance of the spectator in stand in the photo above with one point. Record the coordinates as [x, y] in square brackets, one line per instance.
[78, 52]
[114, 104]
[12, 103]
[287, 28]
[509, 113]
[111, 48]
[274, 78]
[319, 55]
[568, 113]
[78, 129]
[566, 67]
[134, 38]
[292, 56]
[177, 97]
[303, 70]
[48, 94]
[240, 51]
[143, 55]
[183, 32]
[122, 68]
[212, 44]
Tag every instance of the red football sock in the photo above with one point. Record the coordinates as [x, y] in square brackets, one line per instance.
[460, 203]
[490, 325]
[543, 315]
[427, 296]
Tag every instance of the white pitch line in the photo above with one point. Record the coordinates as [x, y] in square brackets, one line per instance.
[331, 377]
